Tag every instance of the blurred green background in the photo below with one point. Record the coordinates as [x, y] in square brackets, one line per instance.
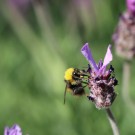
[39, 40]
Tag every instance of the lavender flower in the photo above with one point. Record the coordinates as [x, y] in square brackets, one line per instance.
[131, 6]
[22, 5]
[124, 35]
[14, 130]
[101, 81]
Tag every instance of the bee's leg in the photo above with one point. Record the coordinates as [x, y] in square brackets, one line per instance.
[84, 86]
[84, 74]
[81, 81]
[77, 78]
[85, 82]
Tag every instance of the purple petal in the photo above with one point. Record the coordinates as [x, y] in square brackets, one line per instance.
[87, 54]
[131, 6]
[15, 130]
[101, 70]
[6, 131]
[108, 57]
[100, 64]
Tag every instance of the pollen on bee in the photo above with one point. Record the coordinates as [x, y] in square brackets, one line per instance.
[68, 74]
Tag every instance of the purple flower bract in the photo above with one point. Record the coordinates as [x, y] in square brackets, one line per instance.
[100, 68]
[14, 130]
[131, 6]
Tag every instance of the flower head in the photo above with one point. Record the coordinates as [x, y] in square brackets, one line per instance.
[123, 36]
[131, 6]
[22, 5]
[124, 33]
[14, 130]
[101, 81]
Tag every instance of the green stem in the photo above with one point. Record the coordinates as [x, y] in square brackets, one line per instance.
[126, 81]
[112, 122]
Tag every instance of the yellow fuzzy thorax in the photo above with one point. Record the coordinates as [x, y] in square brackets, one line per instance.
[68, 74]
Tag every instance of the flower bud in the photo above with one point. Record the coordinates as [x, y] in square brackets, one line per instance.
[14, 130]
[131, 6]
[124, 36]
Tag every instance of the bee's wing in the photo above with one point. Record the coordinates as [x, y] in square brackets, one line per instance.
[65, 94]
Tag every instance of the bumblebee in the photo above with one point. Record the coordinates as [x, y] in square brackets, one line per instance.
[74, 78]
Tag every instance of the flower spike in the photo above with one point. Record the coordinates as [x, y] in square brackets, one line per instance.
[101, 81]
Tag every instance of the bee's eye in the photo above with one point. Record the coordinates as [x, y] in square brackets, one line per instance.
[75, 74]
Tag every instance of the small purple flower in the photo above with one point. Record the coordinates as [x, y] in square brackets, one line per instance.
[14, 130]
[124, 36]
[131, 6]
[22, 5]
[101, 81]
